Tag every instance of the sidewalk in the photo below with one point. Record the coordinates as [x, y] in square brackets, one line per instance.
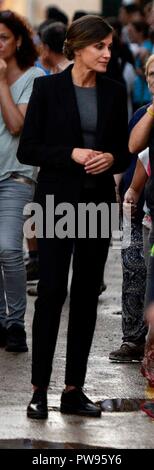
[105, 380]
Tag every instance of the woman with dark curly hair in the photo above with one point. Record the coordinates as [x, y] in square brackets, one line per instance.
[17, 181]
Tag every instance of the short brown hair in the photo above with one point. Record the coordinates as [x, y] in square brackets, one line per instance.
[85, 31]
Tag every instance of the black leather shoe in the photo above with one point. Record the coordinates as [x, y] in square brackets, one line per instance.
[3, 332]
[16, 339]
[37, 408]
[75, 402]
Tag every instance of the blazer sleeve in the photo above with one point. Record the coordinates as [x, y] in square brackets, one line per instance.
[32, 150]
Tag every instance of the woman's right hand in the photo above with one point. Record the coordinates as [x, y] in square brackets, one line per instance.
[82, 156]
[131, 198]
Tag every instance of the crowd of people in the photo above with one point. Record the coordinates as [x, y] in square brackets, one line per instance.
[65, 89]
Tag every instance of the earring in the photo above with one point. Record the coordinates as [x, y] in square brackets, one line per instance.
[18, 48]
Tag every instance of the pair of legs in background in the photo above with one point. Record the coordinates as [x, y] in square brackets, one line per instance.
[147, 368]
[148, 362]
[133, 294]
[14, 196]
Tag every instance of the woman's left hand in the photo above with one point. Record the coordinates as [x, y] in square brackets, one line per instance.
[99, 163]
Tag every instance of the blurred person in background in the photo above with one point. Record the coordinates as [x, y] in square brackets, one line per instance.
[127, 14]
[139, 35]
[53, 38]
[78, 14]
[133, 271]
[121, 66]
[133, 324]
[48, 46]
[17, 181]
[147, 368]
[142, 136]
[56, 14]
[41, 62]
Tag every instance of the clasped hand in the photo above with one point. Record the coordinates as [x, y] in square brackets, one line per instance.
[93, 161]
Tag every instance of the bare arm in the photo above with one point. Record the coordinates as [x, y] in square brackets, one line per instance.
[13, 115]
[140, 133]
[117, 179]
[137, 185]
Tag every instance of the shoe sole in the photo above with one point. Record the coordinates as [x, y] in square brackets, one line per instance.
[68, 410]
[15, 349]
[126, 361]
[34, 415]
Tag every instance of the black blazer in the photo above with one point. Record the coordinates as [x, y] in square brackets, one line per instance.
[52, 129]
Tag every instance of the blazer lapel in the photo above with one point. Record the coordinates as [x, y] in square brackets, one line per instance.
[69, 103]
[103, 110]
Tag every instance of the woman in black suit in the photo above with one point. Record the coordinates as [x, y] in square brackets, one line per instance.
[76, 132]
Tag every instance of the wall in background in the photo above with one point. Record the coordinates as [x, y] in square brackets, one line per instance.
[34, 9]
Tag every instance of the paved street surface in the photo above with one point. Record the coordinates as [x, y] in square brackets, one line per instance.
[105, 380]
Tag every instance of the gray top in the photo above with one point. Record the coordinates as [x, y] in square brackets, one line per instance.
[20, 91]
[87, 106]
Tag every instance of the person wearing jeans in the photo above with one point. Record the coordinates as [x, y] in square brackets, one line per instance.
[17, 74]
[14, 195]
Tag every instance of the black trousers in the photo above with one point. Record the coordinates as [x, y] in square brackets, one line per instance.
[89, 256]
